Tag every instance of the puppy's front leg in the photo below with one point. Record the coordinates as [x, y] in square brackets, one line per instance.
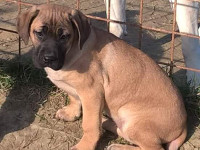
[92, 105]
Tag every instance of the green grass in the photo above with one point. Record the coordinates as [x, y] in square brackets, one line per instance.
[20, 72]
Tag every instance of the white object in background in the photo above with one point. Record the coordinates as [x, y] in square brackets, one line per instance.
[117, 12]
[187, 20]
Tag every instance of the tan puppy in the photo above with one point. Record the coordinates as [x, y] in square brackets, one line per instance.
[100, 71]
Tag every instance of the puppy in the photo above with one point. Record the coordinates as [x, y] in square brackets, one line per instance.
[101, 72]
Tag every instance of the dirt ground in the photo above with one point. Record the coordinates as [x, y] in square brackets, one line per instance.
[29, 104]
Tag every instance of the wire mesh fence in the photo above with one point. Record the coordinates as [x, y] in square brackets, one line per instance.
[139, 25]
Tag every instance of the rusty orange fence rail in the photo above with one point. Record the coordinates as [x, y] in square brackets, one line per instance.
[141, 27]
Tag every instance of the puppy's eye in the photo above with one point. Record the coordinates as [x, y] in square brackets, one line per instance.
[62, 35]
[65, 36]
[39, 34]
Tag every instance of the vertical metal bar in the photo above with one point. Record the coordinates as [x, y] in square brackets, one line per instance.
[19, 39]
[78, 4]
[108, 16]
[140, 23]
[173, 39]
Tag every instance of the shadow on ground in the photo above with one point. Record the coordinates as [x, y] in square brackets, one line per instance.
[29, 88]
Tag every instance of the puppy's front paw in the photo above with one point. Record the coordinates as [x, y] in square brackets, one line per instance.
[81, 147]
[74, 148]
[114, 147]
[68, 113]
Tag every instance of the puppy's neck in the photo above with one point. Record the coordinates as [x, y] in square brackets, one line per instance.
[75, 52]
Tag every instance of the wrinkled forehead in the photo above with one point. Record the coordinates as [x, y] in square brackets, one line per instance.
[52, 16]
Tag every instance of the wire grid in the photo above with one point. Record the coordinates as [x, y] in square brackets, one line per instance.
[171, 64]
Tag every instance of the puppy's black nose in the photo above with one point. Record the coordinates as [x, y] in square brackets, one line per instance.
[49, 57]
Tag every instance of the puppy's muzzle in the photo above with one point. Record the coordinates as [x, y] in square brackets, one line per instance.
[49, 54]
[49, 57]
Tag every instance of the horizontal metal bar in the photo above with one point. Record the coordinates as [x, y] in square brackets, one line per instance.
[23, 3]
[107, 20]
[144, 27]
[170, 32]
[177, 66]
[8, 30]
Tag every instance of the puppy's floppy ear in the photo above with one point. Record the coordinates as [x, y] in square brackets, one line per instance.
[24, 21]
[82, 25]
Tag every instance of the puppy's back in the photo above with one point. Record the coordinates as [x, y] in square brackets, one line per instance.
[138, 83]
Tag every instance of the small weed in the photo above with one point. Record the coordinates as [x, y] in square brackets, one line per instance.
[191, 96]
[6, 81]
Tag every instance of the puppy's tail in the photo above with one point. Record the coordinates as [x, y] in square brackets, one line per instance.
[175, 144]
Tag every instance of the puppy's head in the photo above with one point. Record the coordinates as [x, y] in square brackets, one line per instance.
[53, 30]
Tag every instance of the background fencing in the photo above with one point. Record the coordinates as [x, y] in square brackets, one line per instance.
[139, 25]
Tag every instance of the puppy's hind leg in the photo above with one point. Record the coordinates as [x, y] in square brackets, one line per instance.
[143, 141]
[71, 112]
[122, 147]
[129, 147]
[175, 144]
[111, 126]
